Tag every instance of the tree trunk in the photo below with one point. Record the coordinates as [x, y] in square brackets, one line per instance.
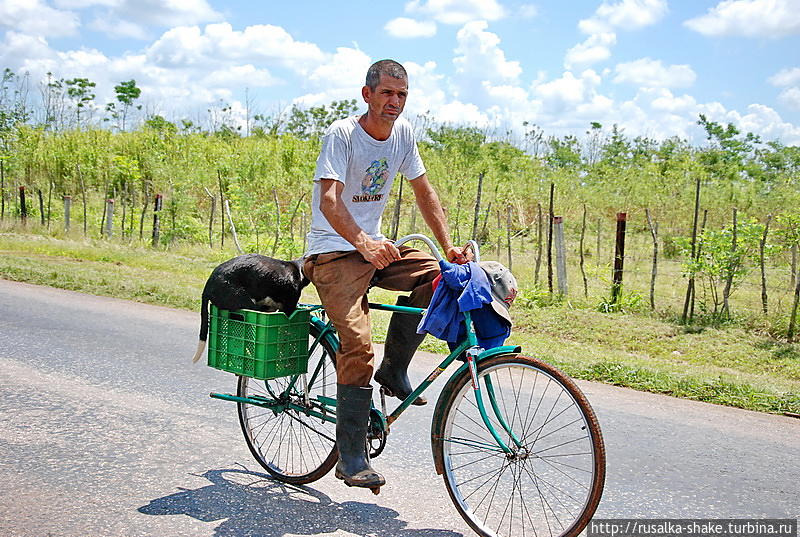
[726, 292]
[761, 246]
[49, 201]
[654, 271]
[83, 196]
[561, 255]
[583, 271]
[211, 218]
[793, 277]
[697, 257]
[2, 190]
[690, 286]
[233, 227]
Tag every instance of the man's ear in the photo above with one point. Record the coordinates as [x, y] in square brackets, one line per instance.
[366, 93]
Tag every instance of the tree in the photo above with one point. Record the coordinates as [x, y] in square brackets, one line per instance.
[127, 93]
[79, 90]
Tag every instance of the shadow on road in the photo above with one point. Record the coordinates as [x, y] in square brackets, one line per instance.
[254, 504]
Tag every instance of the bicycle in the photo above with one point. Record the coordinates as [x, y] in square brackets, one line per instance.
[516, 441]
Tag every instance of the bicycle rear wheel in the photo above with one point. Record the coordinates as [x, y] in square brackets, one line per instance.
[552, 483]
[291, 445]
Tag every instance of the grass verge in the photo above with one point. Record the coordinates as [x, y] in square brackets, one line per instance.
[728, 366]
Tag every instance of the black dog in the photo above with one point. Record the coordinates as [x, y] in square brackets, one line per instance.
[254, 282]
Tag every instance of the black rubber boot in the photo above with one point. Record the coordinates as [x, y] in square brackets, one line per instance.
[352, 419]
[402, 341]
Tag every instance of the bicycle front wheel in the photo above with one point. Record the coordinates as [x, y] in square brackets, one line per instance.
[552, 482]
[292, 445]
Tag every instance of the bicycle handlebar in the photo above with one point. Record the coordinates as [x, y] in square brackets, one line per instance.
[435, 249]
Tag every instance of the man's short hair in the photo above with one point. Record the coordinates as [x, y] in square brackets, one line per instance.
[384, 67]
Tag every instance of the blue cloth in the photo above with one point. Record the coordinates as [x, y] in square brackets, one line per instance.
[464, 288]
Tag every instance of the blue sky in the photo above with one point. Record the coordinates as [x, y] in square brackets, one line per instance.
[650, 66]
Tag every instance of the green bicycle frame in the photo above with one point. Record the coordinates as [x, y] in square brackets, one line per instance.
[469, 347]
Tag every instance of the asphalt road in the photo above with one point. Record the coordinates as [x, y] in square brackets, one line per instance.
[106, 429]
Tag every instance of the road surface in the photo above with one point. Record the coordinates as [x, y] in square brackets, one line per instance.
[106, 429]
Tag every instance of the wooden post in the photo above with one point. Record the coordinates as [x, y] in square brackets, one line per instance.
[793, 277]
[654, 271]
[396, 215]
[2, 189]
[761, 247]
[305, 227]
[580, 247]
[211, 218]
[793, 316]
[277, 224]
[619, 258]
[67, 206]
[561, 256]
[109, 218]
[696, 258]
[41, 205]
[550, 242]
[222, 210]
[539, 226]
[23, 209]
[508, 236]
[690, 286]
[157, 219]
[476, 217]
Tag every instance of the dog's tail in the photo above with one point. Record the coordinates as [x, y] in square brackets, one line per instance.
[201, 345]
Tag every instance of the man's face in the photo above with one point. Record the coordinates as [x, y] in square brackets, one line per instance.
[388, 99]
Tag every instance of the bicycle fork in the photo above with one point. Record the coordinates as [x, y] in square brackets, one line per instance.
[472, 363]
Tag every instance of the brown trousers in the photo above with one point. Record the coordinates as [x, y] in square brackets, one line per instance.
[342, 280]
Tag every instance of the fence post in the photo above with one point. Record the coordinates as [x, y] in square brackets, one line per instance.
[23, 209]
[67, 206]
[109, 218]
[157, 219]
[619, 257]
[508, 236]
[561, 256]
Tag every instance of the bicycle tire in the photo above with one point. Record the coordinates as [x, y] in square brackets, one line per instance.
[560, 441]
[292, 446]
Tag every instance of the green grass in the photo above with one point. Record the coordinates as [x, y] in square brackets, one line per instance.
[733, 364]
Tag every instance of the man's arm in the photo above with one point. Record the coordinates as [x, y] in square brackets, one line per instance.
[432, 212]
[379, 253]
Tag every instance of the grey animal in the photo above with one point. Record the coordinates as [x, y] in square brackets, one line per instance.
[254, 282]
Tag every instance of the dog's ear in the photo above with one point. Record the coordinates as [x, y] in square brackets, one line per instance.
[299, 262]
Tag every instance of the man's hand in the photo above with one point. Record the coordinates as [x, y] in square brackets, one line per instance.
[379, 253]
[459, 255]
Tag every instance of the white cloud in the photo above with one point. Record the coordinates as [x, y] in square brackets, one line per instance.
[650, 73]
[188, 46]
[403, 27]
[624, 15]
[479, 54]
[568, 91]
[786, 77]
[457, 11]
[749, 18]
[37, 18]
[117, 29]
[339, 77]
[239, 76]
[791, 98]
[596, 48]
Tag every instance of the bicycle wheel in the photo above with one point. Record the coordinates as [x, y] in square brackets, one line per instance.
[292, 446]
[552, 483]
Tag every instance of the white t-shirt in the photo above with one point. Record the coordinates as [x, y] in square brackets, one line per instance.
[367, 168]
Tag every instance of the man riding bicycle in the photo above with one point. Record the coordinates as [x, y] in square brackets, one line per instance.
[347, 254]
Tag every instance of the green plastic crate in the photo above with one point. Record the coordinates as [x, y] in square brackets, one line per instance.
[257, 344]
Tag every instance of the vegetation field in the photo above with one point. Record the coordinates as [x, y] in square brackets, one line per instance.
[706, 307]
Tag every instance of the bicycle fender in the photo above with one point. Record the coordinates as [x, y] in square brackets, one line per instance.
[330, 335]
[438, 412]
